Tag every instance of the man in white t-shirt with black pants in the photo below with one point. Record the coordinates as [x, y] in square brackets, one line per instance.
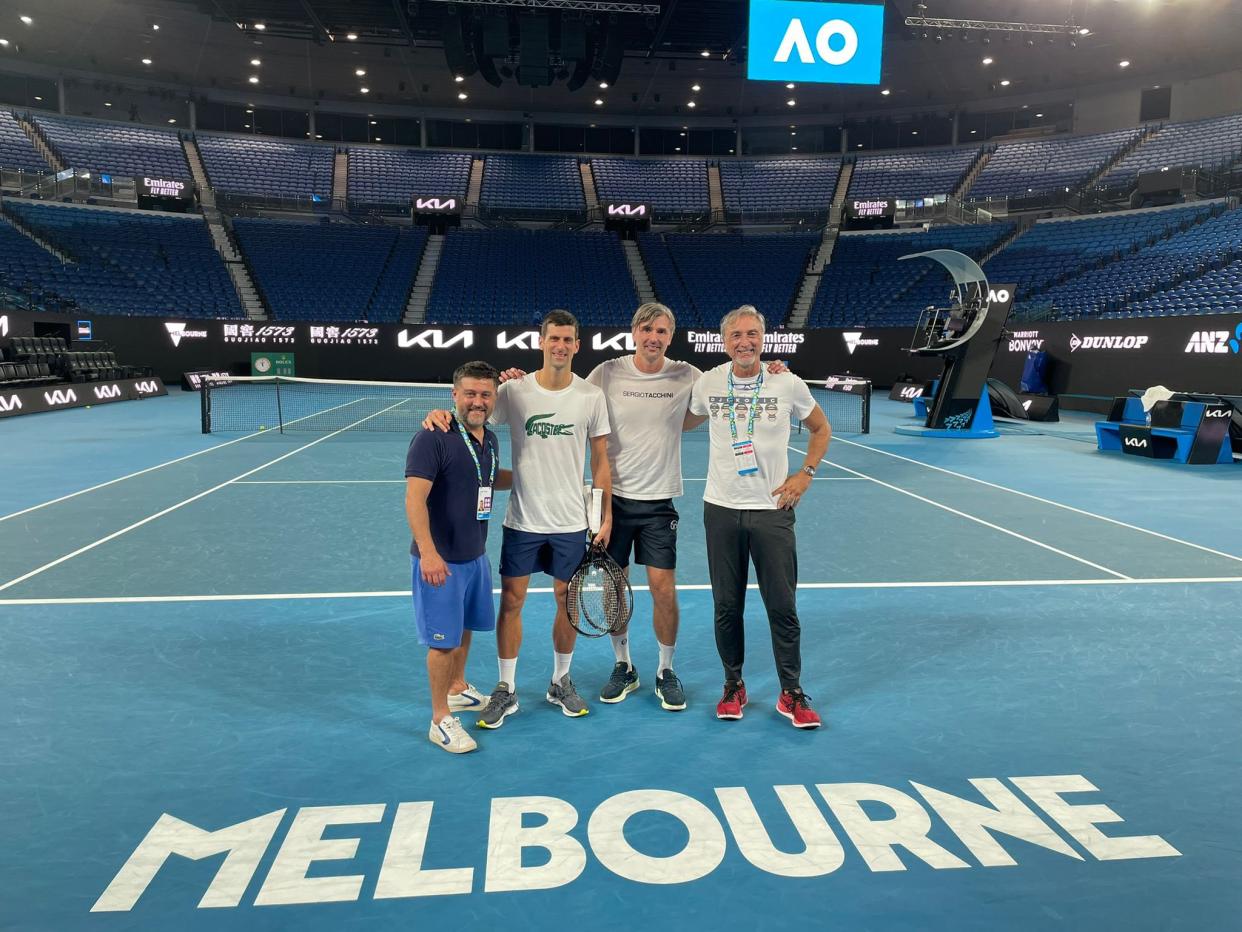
[748, 505]
[553, 417]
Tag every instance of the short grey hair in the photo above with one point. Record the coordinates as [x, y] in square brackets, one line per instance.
[649, 311]
[746, 310]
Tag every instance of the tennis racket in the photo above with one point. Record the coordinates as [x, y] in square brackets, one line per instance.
[600, 600]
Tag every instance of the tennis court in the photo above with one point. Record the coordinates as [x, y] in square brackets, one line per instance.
[224, 642]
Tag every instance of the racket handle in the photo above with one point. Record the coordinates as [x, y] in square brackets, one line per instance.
[597, 510]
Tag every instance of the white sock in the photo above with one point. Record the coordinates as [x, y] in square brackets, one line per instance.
[666, 657]
[508, 672]
[621, 647]
[560, 665]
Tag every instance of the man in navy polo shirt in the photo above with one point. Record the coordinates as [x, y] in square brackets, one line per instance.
[450, 480]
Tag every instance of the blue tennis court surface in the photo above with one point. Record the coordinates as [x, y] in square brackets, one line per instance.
[214, 707]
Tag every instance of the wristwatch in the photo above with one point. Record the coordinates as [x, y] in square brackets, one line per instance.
[809, 470]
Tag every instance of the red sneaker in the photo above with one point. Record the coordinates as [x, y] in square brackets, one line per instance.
[796, 706]
[734, 700]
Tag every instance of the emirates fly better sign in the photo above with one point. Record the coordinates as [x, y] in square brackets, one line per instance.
[828, 43]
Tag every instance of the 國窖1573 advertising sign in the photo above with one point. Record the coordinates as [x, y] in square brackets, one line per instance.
[829, 43]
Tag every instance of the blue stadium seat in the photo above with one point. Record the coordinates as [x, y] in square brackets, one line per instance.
[779, 184]
[115, 148]
[1039, 166]
[16, 151]
[1210, 143]
[532, 186]
[911, 174]
[674, 187]
[267, 168]
[385, 176]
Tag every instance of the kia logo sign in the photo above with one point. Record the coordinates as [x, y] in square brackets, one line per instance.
[1216, 412]
[147, 387]
[436, 205]
[627, 210]
[832, 43]
[526, 340]
[60, 397]
[621, 343]
[10, 403]
[434, 339]
[104, 392]
[1136, 442]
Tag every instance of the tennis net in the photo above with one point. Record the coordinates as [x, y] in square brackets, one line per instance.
[246, 404]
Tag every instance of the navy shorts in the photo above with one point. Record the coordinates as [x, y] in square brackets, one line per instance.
[463, 603]
[523, 553]
[649, 529]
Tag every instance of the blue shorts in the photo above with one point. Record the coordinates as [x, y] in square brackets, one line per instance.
[464, 602]
[524, 552]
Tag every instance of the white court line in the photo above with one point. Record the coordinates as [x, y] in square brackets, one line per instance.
[402, 481]
[693, 587]
[978, 520]
[227, 443]
[192, 498]
[1046, 501]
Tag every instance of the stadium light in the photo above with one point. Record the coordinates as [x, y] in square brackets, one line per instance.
[463, 96]
[364, 90]
[1004, 82]
[1124, 63]
[599, 101]
[690, 104]
[705, 53]
[351, 36]
[107, 103]
[360, 72]
[4, 42]
[26, 19]
[791, 102]
[256, 62]
[254, 79]
[696, 88]
[988, 60]
[603, 85]
[885, 92]
[260, 26]
[155, 27]
[172, 120]
[789, 87]
[146, 61]
[458, 78]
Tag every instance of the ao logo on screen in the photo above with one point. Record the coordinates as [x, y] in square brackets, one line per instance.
[795, 40]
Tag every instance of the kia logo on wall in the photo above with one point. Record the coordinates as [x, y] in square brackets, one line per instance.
[627, 210]
[1131, 342]
[436, 205]
[60, 397]
[834, 43]
[525, 340]
[103, 392]
[621, 342]
[434, 338]
[178, 332]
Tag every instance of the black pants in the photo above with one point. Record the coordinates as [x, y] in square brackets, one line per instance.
[735, 537]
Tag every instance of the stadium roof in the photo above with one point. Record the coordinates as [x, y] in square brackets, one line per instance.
[305, 51]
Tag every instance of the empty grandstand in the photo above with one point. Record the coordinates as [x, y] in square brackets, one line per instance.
[120, 262]
[1212, 143]
[705, 275]
[677, 188]
[759, 187]
[331, 271]
[266, 168]
[1038, 166]
[390, 176]
[532, 186]
[911, 174]
[16, 150]
[114, 148]
[517, 276]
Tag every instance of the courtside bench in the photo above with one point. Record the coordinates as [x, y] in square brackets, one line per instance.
[1192, 432]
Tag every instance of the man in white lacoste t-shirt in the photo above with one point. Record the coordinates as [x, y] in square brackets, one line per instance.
[748, 505]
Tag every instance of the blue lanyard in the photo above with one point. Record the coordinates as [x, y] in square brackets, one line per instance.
[478, 469]
[754, 406]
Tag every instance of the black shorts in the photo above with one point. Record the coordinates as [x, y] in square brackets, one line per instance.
[647, 528]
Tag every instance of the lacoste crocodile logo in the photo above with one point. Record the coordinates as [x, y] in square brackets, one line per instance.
[537, 426]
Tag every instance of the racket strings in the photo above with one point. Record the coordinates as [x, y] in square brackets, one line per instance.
[600, 600]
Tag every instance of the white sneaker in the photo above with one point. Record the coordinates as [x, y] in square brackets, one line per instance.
[469, 699]
[449, 734]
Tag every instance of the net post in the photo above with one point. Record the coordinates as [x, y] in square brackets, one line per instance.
[866, 411]
[204, 402]
[280, 414]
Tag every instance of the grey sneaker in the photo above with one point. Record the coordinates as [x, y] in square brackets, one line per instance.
[565, 694]
[624, 680]
[502, 703]
[668, 689]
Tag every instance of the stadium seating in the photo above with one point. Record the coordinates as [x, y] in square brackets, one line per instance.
[267, 168]
[531, 185]
[911, 174]
[331, 271]
[115, 148]
[1039, 166]
[394, 176]
[125, 262]
[675, 187]
[779, 184]
[702, 276]
[1214, 291]
[517, 276]
[16, 151]
[865, 284]
[1207, 239]
[1202, 143]
[1053, 250]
